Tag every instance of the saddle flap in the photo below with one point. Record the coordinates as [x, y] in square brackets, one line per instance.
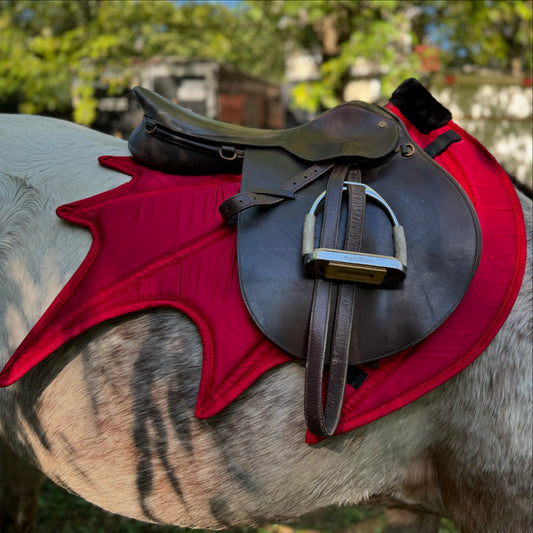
[443, 245]
[353, 129]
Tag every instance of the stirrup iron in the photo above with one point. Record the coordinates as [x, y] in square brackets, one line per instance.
[351, 266]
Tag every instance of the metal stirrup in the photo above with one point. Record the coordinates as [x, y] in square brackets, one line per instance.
[351, 266]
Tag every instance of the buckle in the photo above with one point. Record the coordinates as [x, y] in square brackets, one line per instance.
[355, 266]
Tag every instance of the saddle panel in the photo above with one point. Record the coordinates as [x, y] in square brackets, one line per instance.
[353, 129]
[443, 243]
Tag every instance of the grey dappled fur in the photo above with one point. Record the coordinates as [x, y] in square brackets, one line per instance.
[110, 416]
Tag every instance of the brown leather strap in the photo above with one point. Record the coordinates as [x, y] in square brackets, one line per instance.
[230, 208]
[323, 420]
[344, 312]
[320, 311]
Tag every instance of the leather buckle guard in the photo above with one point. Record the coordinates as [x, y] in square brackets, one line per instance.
[351, 266]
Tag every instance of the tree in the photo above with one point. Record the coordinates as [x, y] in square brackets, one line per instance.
[384, 34]
[485, 33]
[53, 54]
[342, 34]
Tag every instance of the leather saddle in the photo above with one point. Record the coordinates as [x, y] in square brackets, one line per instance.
[352, 243]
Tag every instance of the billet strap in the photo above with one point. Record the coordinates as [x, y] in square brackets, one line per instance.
[230, 208]
[441, 143]
[324, 419]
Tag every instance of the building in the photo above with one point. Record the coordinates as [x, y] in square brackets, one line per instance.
[206, 87]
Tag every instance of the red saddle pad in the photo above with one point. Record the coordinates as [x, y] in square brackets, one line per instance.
[159, 240]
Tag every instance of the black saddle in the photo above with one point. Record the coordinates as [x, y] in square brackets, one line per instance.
[353, 244]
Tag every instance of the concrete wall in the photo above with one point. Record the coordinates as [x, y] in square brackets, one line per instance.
[497, 110]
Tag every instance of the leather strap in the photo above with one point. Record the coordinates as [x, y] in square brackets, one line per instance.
[230, 208]
[441, 143]
[324, 420]
[344, 313]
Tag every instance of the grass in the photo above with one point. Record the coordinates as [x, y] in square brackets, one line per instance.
[61, 512]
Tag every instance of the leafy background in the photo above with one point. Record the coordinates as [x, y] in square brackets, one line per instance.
[54, 54]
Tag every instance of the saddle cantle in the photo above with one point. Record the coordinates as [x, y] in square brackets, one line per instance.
[345, 308]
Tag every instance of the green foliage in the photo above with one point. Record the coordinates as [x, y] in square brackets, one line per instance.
[374, 35]
[53, 53]
[380, 37]
[488, 33]
[447, 526]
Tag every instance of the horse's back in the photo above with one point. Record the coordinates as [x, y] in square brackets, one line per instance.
[44, 163]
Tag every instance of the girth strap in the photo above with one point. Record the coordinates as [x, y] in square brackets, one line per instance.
[323, 420]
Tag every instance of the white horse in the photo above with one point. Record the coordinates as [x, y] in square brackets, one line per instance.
[110, 416]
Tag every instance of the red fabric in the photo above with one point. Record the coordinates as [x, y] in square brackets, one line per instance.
[158, 240]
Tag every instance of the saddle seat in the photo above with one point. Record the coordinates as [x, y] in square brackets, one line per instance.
[331, 306]
[353, 129]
